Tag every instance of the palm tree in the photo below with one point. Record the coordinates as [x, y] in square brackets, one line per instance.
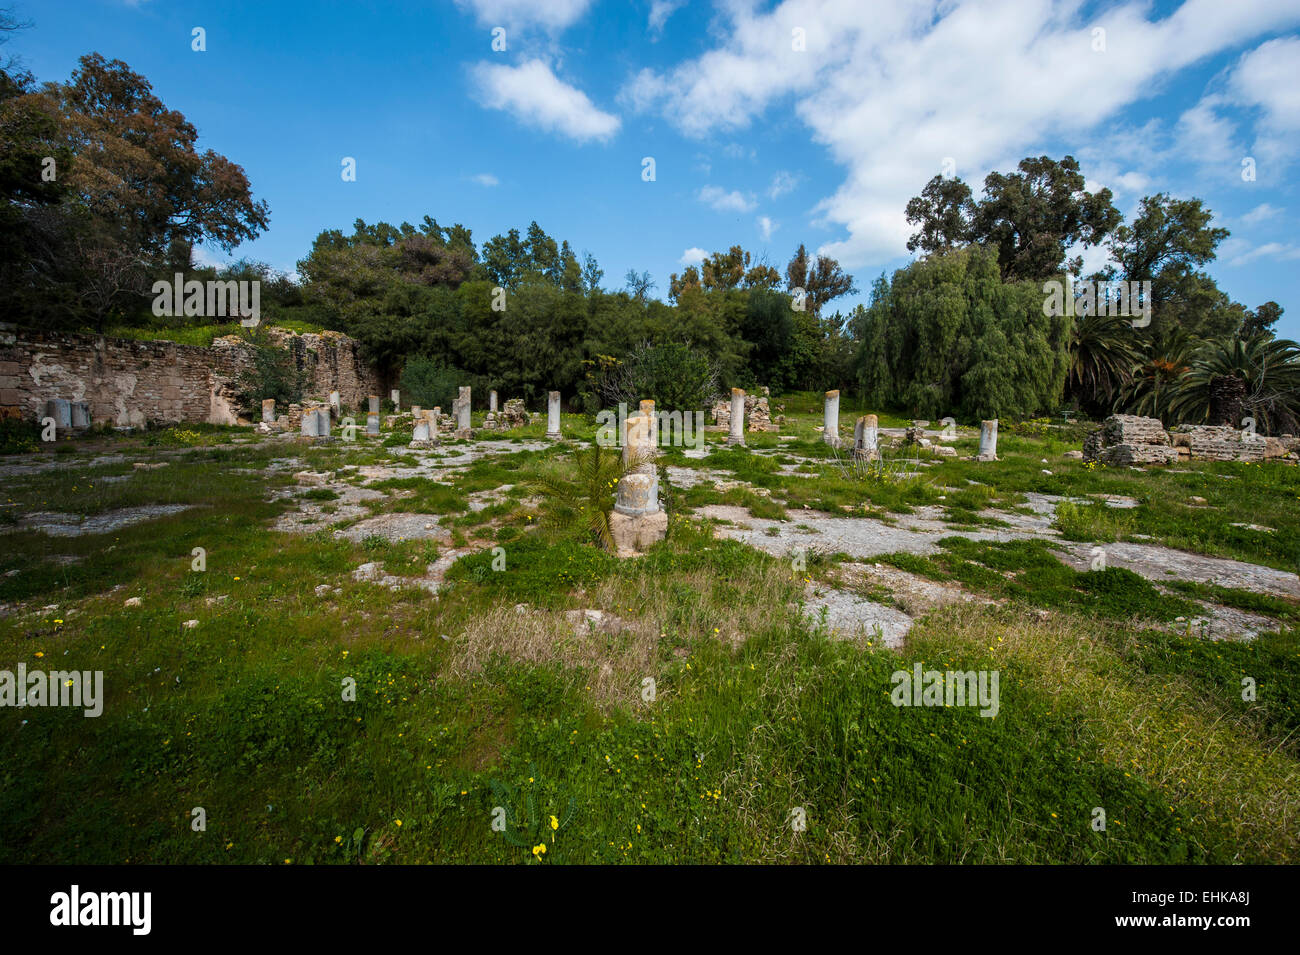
[1102, 358]
[1163, 361]
[586, 499]
[1230, 379]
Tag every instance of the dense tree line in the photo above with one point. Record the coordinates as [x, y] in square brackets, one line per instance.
[104, 190]
[936, 336]
[524, 316]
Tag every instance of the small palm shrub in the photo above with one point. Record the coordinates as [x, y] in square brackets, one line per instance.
[583, 501]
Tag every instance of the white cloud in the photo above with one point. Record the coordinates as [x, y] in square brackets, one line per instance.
[1208, 137]
[782, 183]
[766, 227]
[486, 179]
[983, 81]
[1269, 250]
[550, 14]
[1261, 213]
[660, 11]
[1266, 78]
[720, 200]
[693, 256]
[536, 96]
[207, 259]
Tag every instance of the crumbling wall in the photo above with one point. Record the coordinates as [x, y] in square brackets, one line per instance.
[133, 383]
[1129, 439]
[758, 415]
[1220, 443]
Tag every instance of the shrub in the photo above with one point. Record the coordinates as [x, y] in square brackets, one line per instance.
[429, 383]
[18, 436]
[272, 374]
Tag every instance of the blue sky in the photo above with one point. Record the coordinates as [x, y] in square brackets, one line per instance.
[755, 141]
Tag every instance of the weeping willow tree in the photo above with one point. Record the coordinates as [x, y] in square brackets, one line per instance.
[948, 336]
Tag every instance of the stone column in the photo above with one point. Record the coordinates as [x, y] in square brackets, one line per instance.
[374, 405]
[988, 441]
[866, 438]
[60, 409]
[80, 411]
[335, 402]
[462, 413]
[553, 415]
[648, 410]
[268, 410]
[831, 419]
[637, 520]
[322, 422]
[396, 397]
[372, 423]
[415, 412]
[310, 428]
[737, 435]
[492, 401]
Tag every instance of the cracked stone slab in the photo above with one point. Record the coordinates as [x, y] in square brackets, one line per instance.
[850, 617]
[373, 574]
[75, 525]
[396, 527]
[917, 595]
[1159, 564]
[860, 537]
[1225, 623]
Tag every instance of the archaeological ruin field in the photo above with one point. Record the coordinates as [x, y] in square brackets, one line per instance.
[679, 705]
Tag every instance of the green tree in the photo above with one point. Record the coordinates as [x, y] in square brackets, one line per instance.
[1167, 244]
[429, 383]
[948, 336]
[1033, 215]
[1231, 379]
[944, 211]
[821, 279]
[1261, 320]
[1103, 354]
[132, 195]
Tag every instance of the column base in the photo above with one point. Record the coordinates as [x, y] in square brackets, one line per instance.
[632, 535]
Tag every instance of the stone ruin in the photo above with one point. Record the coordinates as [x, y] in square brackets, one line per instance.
[1126, 439]
[637, 520]
[1133, 440]
[758, 413]
[511, 415]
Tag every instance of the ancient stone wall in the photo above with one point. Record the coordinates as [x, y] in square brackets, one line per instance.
[132, 383]
[1220, 443]
[1128, 439]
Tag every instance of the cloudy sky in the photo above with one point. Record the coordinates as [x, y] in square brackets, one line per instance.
[765, 124]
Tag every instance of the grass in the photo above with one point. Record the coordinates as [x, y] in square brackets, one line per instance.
[371, 725]
[1028, 573]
